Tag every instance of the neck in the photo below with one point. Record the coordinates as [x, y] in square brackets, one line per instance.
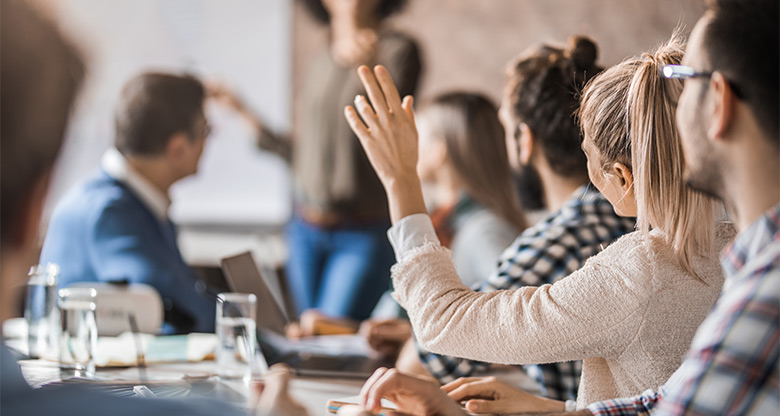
[449, 187]
[348, 21]
[557, 188]
[155, 170]
[759, 167]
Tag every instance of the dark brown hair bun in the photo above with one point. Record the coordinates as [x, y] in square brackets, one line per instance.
[583, 52]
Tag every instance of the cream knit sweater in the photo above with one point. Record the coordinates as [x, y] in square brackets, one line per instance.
[630, 313]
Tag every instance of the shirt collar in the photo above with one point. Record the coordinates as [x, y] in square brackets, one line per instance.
[751, 241]
[117, 167]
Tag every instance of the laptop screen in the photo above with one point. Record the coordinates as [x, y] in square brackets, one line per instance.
[243, 276]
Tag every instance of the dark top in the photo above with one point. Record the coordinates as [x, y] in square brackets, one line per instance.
[332, 172]
[18, 398]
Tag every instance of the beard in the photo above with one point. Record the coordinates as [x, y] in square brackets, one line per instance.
[703, 171]
[529, 187]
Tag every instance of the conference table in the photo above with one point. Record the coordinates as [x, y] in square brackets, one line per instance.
[197, 379]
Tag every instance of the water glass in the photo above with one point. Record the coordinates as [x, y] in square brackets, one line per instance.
[236, 335]
[40, 311]
[78, 336]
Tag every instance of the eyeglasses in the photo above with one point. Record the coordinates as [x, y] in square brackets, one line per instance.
[201, 131]
[685, 72]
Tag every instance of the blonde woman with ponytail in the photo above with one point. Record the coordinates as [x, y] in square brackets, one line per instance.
[629, 313]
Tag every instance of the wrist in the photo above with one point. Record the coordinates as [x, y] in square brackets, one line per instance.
[404, 196]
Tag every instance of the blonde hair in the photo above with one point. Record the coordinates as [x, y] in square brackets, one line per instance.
[629, 112]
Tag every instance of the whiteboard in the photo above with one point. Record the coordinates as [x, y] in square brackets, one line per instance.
[243, 43]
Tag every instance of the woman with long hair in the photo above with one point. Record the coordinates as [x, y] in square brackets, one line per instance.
[631, 311]
[462, 154]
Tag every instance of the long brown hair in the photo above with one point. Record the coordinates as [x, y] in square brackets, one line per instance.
[629, 112]
[474, 137]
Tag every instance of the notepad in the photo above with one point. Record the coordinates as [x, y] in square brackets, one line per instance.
[121, 350]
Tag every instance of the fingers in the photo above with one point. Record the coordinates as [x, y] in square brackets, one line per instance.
[369, 384]
[475, 389]
[368, 114]
[374, 92]
[392, 98]
[452, 385]
[408, 106]
[356, 124]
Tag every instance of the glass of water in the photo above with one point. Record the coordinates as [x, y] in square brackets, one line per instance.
[40, 311]
[236, 337]
[78, 336]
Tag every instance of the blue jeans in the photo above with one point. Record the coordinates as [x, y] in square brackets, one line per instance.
[340, 271]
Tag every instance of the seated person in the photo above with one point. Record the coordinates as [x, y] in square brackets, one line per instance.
[114, 226]
[543, 143]
[478, 214]
[463, 157]
[731, 151]
[661, 279]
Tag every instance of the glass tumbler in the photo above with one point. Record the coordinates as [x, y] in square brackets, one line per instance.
[236, 335]
[78, 331]
[40, 311]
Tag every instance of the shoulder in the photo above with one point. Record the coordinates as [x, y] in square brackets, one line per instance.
[89, 196]
[484, 229]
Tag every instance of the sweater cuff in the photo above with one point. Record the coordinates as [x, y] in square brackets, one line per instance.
[413, 231]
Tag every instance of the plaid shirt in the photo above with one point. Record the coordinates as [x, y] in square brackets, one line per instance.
[732, 367]
[552, 249]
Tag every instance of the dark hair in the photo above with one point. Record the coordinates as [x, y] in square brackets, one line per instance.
[152, 108]
[40, 75]
[384, 9]
[542, 89]
[742, 41]
[474, 137]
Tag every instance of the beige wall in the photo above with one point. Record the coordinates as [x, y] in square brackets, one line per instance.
[466, 43]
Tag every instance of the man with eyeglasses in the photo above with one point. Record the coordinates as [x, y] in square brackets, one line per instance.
[114, 227]
[728, 120]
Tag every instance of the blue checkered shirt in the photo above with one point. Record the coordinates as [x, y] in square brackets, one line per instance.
[552, 249]
[732, 367]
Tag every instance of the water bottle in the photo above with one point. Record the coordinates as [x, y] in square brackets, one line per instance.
[40, 311]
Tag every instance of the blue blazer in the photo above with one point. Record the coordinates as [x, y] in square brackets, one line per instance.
[102, 232]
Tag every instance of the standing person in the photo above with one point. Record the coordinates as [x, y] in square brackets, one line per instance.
[339, 257]
[114, 226]
[617, 312]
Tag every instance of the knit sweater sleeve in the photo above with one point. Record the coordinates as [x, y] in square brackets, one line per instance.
[587, 314]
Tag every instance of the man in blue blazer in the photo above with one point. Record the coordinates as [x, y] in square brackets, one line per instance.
[114, 227]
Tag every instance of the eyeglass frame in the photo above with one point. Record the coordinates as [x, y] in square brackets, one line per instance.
[685, 72]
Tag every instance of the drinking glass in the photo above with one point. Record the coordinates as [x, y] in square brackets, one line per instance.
[40, 311]
[236, 337]
[78, 336]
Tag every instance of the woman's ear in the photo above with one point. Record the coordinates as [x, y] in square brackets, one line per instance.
[525, 143]
[624, 177]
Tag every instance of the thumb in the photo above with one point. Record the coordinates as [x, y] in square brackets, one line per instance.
[484, 406]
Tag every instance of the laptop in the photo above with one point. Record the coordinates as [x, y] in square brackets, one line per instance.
[325, 356]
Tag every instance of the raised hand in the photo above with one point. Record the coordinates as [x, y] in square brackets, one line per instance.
[388, 134]
[493, 396]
